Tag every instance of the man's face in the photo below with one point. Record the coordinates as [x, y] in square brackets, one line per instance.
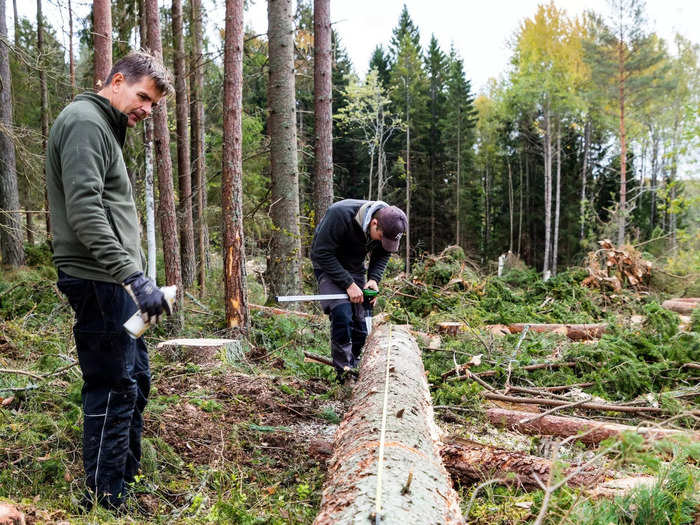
[137, 99]
[375, 233]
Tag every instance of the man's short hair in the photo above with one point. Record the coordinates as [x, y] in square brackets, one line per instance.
[139, 64]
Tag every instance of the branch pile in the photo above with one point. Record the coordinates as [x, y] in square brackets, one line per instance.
[610, 268]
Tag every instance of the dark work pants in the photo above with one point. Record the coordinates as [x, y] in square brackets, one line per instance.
[116, 380]
[348, 329]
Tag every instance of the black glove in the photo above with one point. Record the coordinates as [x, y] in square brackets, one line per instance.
[148, 297]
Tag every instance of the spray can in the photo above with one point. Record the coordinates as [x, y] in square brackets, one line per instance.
[136, 327]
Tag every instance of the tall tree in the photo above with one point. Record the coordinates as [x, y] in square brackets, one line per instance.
[71, 54]
[237, 316]
[166, 209]
[623, 59]
[197, 141]
[380, 63]
[285, 250]
[323, 110]
[102, 23]
[11, 248]
[44, 102]
[183, 150]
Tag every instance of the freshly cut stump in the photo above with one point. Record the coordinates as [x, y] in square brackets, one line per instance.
[415, 487]
[198, 351]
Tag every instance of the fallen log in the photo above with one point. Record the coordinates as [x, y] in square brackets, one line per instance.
[386, 451]
[575, 332]
[280, 311]
[472, 462]
[590, 432]
[603, 407]
[682, 305]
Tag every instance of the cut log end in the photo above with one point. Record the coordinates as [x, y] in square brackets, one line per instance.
[198, 351]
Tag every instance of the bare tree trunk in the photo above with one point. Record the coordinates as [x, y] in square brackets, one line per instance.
[166, 205]
[654, 176]
[380, 157]
[408, 190]
[547, 191]
[71, 58]
[11, 248]
[197, 144]
[285, 248]
[323, 113]
[237, 314]
[555, 241]
[584, 177]
[102, 36]
[458, 189]
[510, 208]
[520, 208]
[151, 270]
[622, 211]
[385, 466]
[44, 104]
[183, 151]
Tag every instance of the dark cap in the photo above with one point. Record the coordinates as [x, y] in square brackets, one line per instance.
[393, 223]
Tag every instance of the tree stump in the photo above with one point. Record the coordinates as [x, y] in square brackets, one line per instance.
[415, 487]
[10, 515]
[199, 351]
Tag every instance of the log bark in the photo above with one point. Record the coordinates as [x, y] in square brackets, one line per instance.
[411, 443]
[471, 462]
[590, 432]
[102, 37]
[603, 407]
[576, 332]
[683, 305]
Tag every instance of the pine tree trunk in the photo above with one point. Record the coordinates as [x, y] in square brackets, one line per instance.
[102, 36]
[555, 241]
[584, 178]
[44, 104]
[380, 157]
[183, 151]
[11, 248]
[237, 314]
[622, 211]
[197, 144]
[409, 483]
[166, 204]
[323, 113]
[654, 177]
[285, 248]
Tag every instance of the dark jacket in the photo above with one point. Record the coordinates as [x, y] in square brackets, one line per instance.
[340, 245]
[95, 226]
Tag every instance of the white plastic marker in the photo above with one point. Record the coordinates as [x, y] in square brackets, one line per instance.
[136, 327]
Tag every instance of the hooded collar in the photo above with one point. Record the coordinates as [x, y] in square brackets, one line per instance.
[364, 214]
[116, 119]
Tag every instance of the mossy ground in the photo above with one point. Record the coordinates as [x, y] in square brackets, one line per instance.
[229, 444]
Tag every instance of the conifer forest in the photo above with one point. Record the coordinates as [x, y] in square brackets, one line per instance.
[533, 352]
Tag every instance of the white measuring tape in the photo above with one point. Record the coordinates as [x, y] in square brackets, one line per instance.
[382, 435]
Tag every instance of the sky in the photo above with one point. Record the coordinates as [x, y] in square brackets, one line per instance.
[479, 30]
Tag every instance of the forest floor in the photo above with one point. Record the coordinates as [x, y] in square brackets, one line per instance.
[237, 440]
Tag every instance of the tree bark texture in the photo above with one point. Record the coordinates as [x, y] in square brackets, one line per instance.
[237, 314]
[546, 269]
[187, 253]
[590, 431]
[166, 204]
[11, 248]
[197, 143]
[323, 113]
[415, 487]
[471, 462]
[102, 36]
[557, 206]
[44, 104]
[283, 265]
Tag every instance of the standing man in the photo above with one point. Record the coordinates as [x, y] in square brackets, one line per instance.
[349, 231]
[97, 251]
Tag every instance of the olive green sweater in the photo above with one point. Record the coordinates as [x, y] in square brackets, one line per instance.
[95, 226]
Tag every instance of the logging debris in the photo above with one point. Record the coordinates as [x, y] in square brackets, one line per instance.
[611, 268]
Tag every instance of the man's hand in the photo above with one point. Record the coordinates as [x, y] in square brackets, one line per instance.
[147, 296]
[372, 285]
[354, 293]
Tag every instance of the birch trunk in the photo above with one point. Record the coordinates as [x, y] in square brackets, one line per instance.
[555, 241]
[11, 247]
[283, 266]
[237, 315]
[44, 105]
[404, 480]
[183, 151]
[323, 112]
[547, 192]
[584, 178]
